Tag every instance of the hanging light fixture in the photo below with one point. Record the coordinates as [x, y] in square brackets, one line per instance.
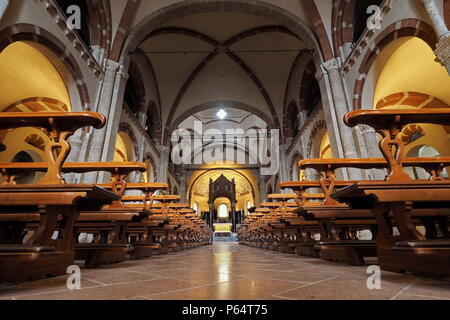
[222, 114]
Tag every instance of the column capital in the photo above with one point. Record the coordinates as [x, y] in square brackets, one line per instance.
[112, 65]
[443, 51]
[332, 64]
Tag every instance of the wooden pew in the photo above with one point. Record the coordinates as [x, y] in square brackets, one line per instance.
[112, 245]
[394, 201]
[108, 224]
[295, 231]
[339, 224]
[172, 235]
[41, 255]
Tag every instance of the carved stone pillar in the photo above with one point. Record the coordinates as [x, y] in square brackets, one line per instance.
[110, 104]
[438, 21]
[3, 6]
[331, 68]
[163, 164]
[372, 147]
[183, 187]
[283, 170]
[262, 189]
[443, 47]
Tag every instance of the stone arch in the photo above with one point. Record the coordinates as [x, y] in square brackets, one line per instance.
[224, 104]
[400, 29]
[56, 52]
[126, 128]
[320, 127]
[191, 7]
[100, 24]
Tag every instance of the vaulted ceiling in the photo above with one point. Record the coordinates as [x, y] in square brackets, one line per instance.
[217, 57]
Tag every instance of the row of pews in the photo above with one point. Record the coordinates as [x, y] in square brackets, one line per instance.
[50, 225]
[408, 218]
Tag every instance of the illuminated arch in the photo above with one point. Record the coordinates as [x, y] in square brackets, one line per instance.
[246, 187]
[398, 86]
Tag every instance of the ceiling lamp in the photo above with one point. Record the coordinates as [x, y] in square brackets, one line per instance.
[222, 114]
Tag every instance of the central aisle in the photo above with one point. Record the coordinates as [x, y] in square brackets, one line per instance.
[227, 271]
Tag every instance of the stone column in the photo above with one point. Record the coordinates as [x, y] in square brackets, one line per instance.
[163, 164]
[76, 143]
[443, 47]
[283, 170]
[103, 141]
[142, 117]
[262, 189]
[99, 54]
[183, 187]
[373, 149]
[331, 68]
[3, 6]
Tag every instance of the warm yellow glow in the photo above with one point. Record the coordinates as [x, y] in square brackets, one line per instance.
[412, 68]
[325, 148]
[124, 148]
[301, 175]
[245, 183]
[15, 141]
[27, 73]
[222, 227]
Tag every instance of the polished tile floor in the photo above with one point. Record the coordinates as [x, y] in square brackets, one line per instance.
[228, 271]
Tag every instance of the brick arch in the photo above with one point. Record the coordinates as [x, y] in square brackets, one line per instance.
[320, 30]
[125, 127]
[35, 34]
[403, 28]
[149, 157]
[318, 128]
[100, 24]
[413, 99]
[37, 104]
[342, 23]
